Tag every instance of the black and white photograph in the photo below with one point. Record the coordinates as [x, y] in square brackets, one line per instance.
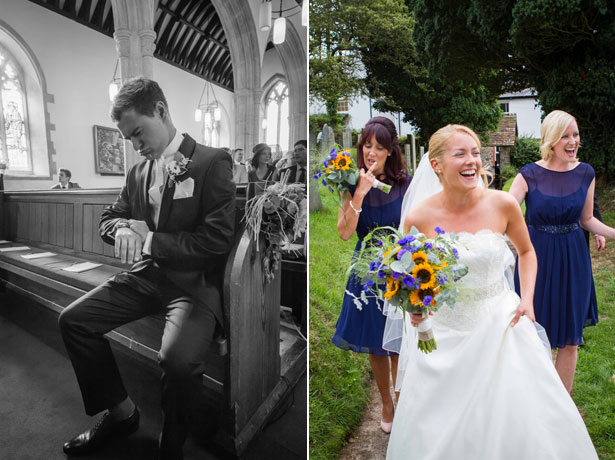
[153, 229]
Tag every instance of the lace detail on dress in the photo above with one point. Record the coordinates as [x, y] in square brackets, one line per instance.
[487, 256]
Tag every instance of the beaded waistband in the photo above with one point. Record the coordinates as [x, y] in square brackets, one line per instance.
[473, 294]
[555, 229]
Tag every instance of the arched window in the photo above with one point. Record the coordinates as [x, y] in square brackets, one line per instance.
[13, 118]
[276, 113]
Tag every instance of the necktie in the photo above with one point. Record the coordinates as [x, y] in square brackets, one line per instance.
[156, 189]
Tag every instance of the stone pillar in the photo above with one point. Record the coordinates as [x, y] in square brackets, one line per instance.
[247, 116]
[135, 42]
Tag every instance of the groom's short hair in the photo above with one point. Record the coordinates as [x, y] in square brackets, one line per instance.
[140, 94]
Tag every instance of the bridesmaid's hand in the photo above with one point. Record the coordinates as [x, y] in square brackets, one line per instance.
[524, 309]
[366, 180]
[600, 242]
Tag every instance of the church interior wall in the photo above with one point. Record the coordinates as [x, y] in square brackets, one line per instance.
[78, 64]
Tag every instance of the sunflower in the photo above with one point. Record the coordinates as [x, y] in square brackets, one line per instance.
[343, 162]
[388, 251]
[417, 296]
[419, 257]
[425, 274]
[392, 287]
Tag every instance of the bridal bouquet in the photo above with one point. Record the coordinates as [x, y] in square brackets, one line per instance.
[340, 172]
[411, 272]
[279, 214]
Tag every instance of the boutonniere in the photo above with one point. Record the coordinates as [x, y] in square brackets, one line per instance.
[177, 168]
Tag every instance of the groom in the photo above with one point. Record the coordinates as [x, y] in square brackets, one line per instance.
[174, 220]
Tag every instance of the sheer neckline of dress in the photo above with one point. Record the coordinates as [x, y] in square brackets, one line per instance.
[482, 231]
[553, 170]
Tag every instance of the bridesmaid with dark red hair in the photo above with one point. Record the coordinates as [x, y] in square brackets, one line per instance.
[364, 208]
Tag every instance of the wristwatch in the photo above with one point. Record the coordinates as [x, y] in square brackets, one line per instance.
[121, 224]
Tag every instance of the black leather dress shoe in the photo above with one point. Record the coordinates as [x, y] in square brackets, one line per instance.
[106, 428]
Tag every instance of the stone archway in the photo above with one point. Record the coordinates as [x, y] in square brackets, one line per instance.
[240, 30]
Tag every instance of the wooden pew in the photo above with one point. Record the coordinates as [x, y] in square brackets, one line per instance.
[253, 364]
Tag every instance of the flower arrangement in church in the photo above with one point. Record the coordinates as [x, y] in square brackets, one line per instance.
[339, 172]
[279, 217]
[411, 272]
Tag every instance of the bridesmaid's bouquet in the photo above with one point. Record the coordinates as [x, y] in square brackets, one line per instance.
[412, 272]
[339, 172]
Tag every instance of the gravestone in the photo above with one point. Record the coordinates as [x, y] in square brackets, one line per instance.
[328, 139]
[347, 138]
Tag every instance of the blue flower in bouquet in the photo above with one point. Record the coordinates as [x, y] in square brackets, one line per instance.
[456, 253]
[409, 281]
[406, 239]
[427, 300]
[397, 275]
[367, 285]
[439, 231]
[428, 245]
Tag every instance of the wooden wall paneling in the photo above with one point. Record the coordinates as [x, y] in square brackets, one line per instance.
[40, 222]
[31, 221]
[53, 227]
[77, 225]
[88, 231]
[45, 222]
[98, 245]
[69, 226]
[60, 219]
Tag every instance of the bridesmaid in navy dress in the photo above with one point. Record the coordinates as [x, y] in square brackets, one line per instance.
[365, 208]
[559, 197]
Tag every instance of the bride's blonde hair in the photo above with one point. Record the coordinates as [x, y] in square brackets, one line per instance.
[438, 143]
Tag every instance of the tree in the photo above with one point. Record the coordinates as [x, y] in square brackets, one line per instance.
[401, 81]
[565, 50]
[335, 65]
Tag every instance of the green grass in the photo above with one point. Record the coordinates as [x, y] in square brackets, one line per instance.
[594, 388]
[339, 380]
[506, 188]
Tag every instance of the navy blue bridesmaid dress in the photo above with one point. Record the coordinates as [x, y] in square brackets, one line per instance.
[563, 292]
[361, 330]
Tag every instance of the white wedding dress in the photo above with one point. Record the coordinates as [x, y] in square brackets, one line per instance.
[489, 392]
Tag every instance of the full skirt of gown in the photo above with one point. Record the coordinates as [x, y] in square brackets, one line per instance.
[489, 391]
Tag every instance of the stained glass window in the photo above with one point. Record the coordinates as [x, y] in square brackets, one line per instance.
[276, 110]
[13, 119]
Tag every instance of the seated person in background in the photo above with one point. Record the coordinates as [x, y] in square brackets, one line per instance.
[240, 173]
[261, 169]
[297, 172]
[64, 178]
[286, 161]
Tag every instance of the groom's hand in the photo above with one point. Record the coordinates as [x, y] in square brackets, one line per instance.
[128, 246]
[524, 309]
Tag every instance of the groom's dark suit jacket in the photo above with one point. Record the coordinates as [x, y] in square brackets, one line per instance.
[195, 234]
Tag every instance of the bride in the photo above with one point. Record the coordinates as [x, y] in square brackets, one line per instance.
[490, 390]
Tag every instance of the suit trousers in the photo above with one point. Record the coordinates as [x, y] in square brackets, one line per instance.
[188, 333]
